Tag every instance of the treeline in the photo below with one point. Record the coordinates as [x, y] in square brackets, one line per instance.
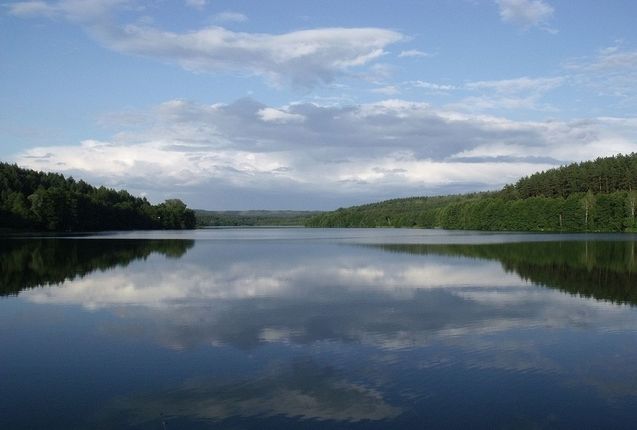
[407, 212]
[252, 218]
[601, 176]
[31, 200]
[598, 195]
[31, 263]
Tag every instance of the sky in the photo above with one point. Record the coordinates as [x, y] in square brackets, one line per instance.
[298, 104]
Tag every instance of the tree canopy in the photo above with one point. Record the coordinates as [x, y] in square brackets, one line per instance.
[253, 218]
[32, 200]
[599, 195]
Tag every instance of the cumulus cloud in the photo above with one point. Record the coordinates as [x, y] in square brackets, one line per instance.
[525, 13]
[304, 58]
[350, 153]
[277, 115]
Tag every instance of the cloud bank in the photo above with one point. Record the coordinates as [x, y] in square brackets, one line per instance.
[301, 155]
[352, 153]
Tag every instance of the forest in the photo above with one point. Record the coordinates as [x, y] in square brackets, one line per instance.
[39, 201]
[268, 218]
[599, 195]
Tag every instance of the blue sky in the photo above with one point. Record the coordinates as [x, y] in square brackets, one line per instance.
[313, 105]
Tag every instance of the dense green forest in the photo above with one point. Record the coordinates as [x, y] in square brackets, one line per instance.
[252, 218]
[30, 263]
[31, 200]
[604, 270]
[599, 195]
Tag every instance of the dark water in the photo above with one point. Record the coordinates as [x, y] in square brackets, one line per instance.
[318, 329]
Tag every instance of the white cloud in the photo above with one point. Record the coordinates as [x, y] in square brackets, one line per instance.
[229, 16]
[305, 58]
[279, 116]
[525, 13]
[367, 151]
[433, 86]
[569, 141]
[410, 53]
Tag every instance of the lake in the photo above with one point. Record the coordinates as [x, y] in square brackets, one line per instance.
[318, 329]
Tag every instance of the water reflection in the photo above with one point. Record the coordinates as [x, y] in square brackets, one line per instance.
[300, 389]
[273, 293]
[605, 270]
[339, 335]
[30, 263]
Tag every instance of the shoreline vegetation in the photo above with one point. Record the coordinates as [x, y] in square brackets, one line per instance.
[591, 196]
[253, 218]
[39, 201]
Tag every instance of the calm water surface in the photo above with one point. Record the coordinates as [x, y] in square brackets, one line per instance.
[318, 329]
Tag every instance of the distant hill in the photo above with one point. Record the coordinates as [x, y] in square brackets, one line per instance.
[253, 218]
[39, 201]
[599, 195]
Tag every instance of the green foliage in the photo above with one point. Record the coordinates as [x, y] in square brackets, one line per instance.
[602, 176]
[175, 215]
[31, 200]
[253, 218]
[410, 212]
[591, 196]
